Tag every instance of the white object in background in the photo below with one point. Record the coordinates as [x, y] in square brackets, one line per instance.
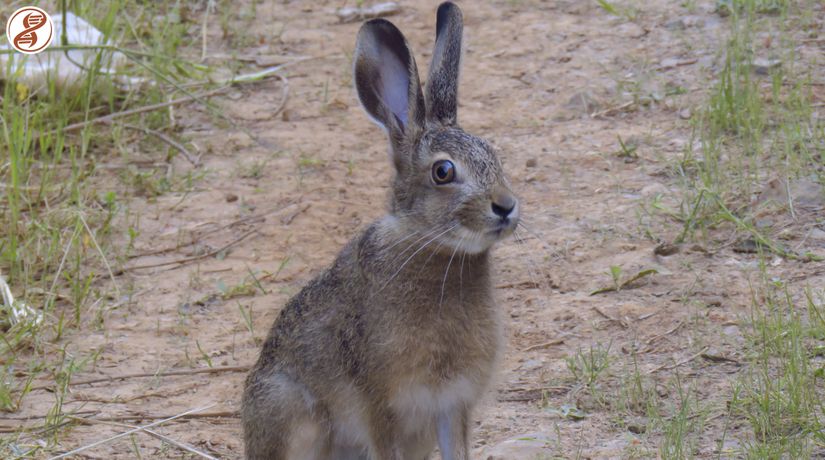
[35, 71]
[18, 311]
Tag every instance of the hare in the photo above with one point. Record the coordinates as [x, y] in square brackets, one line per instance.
[384, 355]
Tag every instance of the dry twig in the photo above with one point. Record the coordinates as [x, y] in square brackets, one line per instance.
[166, 439]
[147, 108]
[169, 141]
[207, 370]
[142, 416]
[127, 433]
[543, 345]
[188, 259]
[668, 367]
[668, 332]
[284, 97]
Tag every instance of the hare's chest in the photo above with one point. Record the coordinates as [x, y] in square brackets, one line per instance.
[418, 403]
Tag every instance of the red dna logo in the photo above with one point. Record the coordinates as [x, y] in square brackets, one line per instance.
[28, 37]
[30, 30]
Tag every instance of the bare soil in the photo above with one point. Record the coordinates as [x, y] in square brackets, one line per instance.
[547, 82]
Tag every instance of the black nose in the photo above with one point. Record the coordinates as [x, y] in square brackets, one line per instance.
[505, 208]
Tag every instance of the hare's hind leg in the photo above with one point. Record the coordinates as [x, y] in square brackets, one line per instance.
[452, 429]
[279, 420]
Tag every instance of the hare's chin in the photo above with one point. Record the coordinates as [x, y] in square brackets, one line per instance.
[474, 242]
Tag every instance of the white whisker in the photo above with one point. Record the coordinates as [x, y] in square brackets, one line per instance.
[461, 277]
[413, 255]
[447, 271]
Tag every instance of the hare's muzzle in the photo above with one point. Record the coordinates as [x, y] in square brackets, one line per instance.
[504, 206]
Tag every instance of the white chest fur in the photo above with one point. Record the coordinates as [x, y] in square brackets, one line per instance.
[417, 404]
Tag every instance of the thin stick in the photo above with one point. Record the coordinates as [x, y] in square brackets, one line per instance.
[611, 110]
[144, 109]
[102, 255]
[621, 322]
[668, 367]
[127, 433]
[26, 418]
[135, 416]
[544, 345]
[677, 64]
[168, 140]
[196, 238]
[204, 28]
[166, 439]
[284, 96]
[286, 220]
[188, 259]
[671, 331]
[218, 414]
[207, 370]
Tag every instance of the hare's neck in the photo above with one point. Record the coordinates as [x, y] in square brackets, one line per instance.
[413, 262]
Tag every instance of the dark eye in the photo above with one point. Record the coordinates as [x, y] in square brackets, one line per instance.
[443, 172]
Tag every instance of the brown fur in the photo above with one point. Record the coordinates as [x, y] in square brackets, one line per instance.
[387, 351]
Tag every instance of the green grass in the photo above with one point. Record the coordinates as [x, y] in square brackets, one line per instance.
[781, 393]
[587, 366]
[64, 194]
[755, 128]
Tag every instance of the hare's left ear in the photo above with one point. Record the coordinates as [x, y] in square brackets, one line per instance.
[386, 79]
[442, 83]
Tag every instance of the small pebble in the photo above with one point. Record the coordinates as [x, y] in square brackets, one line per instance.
[231, 198]
[637, 428]
[531, 163]
[676, 24]
[666, 249]
[764, 66]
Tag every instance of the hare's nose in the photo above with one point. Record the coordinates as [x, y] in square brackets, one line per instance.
[503, 203]
[503, 211]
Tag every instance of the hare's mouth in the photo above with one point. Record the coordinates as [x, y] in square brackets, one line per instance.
[475, 241]
[501, 231]
[503, 228]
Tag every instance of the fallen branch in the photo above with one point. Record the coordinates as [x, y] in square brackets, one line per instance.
[286, 220]
[187, 259]
[675, 64]
[147, 108]
[166, 439]
[611, 110]
[127, 433]
[668, 367]
[671, 331]
[621, 322]
[218, 414]
[169, 141]
[544, 345]
[624, 284]
[207, 370]
[284, 96]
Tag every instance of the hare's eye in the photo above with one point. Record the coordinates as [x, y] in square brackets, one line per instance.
[443, 172]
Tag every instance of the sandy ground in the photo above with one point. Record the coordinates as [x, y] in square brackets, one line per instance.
[550, 83]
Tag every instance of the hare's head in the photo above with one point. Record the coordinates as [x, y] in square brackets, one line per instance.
[448, 184]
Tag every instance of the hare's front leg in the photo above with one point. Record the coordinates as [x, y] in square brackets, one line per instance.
[385, 439]
[453, 431]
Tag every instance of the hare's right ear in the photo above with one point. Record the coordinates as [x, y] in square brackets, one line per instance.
[386, 79]
[442, 83]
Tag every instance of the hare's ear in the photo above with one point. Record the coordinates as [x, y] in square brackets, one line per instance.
[442, 83]
[386, 79]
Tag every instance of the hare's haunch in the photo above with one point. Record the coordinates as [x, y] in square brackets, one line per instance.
[384, 355]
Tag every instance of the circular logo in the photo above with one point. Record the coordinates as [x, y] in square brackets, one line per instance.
[30, 30]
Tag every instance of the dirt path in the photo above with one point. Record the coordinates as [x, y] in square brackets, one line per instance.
[552, 84]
